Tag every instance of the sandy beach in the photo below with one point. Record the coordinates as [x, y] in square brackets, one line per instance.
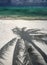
[6, 33]
[6, 27]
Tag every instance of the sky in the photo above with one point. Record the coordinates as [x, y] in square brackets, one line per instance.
[20, 2]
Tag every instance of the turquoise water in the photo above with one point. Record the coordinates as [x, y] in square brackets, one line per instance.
[24, 11]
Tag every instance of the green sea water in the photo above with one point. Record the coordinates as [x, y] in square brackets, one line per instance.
[24, 11]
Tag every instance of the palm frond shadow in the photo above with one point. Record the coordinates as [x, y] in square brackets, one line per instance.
[25, 35]
[1, 63]
[5, 48]
[34, 57]
[29, 56]
[16, 61]
[41, 38]
[39, 35]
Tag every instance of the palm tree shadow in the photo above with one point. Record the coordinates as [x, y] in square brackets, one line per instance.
[29, 56]
[5, 48]
[25, 35]
[16, 61]
[34, 57]
[41, 38]
[1, 63]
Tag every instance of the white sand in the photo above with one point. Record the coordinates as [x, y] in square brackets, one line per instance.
[6, 33]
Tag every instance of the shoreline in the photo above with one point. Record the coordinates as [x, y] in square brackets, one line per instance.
[23, 18]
